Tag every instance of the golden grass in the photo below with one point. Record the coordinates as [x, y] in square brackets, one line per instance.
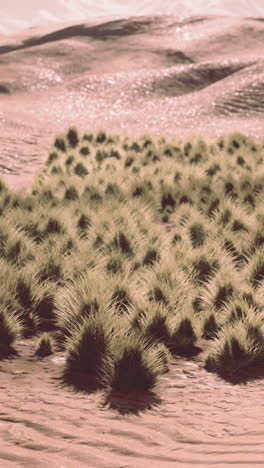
[143, 245]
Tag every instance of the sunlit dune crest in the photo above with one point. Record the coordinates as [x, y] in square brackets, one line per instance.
[160, 74]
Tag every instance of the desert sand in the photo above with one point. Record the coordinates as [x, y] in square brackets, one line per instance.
[160, 75]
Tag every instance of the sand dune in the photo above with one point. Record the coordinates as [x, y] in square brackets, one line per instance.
[149, 74]
[139, 74]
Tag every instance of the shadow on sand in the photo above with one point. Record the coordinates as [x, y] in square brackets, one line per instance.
[188, 351]
[80, 382]
[131, 402]
[241, 376]
[8, 352]
[123, 402]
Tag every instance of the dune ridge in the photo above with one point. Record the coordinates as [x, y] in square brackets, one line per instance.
[159, 73]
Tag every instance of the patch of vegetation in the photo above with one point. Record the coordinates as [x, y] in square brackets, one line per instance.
[131, 250]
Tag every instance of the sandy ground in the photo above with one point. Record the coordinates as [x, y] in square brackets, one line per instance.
[195, 419]
[158, 75]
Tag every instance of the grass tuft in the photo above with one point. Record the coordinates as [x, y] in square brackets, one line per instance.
[72, 137]
[88, 348]
[44, 346]
[136, 367]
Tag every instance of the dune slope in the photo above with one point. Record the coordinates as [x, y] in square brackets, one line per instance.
[158, 74]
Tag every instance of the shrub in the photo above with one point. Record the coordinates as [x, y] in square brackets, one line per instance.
[101, 137]
[197, 234]
[88, 137]
[210, 327]
[223, 295]
[88, 347]
[114, 265]
[163, 355]
[167, 200]
[83, 224]
[237, 348]
[80, 170]
[72, 137]
[203, 269]
[45, 309]
[120, 299]
[136, 367]
[84, 150]
[213, 169]
[53, 156]
[44, 346]
[157, 295]
[24, 292]
[156, 327]
[257, 271]
[182, 337]
[56, 170]
[16, 249]
[10, 329]
[151, 256]
[83, 298]
[69, 161]
[54, 226]
[92, 194]
[60, 144]
[122, 243]
[135, 147]
[50, 269]
[114, 190]
[129, 161]
[71, 193]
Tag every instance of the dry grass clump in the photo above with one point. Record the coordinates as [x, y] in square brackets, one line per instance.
[210, 326]
[44, 346]
[132, 249]
[156, 328]
[136, 366]
[10, 331]
[183, 337]
[88, 348]
[238, 349]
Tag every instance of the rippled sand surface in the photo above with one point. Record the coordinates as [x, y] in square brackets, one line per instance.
[196, 420]
[158, 75]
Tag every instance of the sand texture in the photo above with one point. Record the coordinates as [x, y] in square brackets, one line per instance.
[199, 420]
[149, 74]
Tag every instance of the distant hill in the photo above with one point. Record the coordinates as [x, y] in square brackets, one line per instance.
[18, 16]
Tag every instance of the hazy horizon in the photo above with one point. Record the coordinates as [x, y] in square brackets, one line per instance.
[17, 16]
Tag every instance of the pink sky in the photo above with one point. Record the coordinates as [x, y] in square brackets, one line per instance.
[20, 14]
